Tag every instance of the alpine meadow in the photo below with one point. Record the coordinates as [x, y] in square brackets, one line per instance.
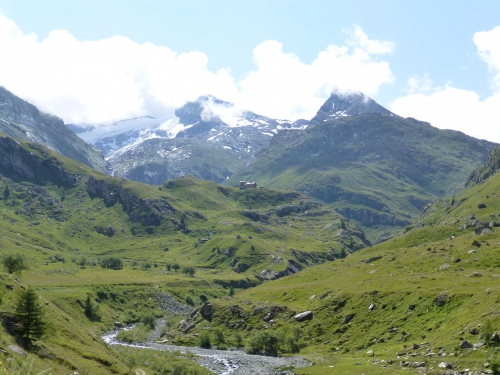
[184, 217]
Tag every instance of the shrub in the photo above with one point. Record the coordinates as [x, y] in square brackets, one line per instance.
[91, 310]
[204, 340]
[189, 301]
[219, 337]
[265, 341]
[237, 339]
[148, 320]
[113, 263]
[188, 271]
[14, 263]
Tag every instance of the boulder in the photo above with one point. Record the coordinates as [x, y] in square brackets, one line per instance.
[348, 318]
[268, 317]
[415, 346]
[306, 315]
[16, 349]
[495, 337]
[118, 325]
[441, 300]
[189, 327]
[371, 307]
[481, 205]
[418, 364]
[445, 365]
[207, 310]
[476, 243]
[466, 345]
[412, 307]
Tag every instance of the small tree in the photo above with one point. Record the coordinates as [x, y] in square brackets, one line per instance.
[134, 264]
[237, 339]
[169, 266]
[30, 313]
[231, 291]
[219, 337]
[6, 192]
[204, 340]
[91, 311]
[14, 263]
[149, 320]
[176, 267]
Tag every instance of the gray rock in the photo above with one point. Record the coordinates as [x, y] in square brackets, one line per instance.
[371, 307]
[348, 318]
[16, 349]
[306, 315]
[476, 243]
[481, 205]
[445, 365]
[466, 345]
[441, 300]
[418, 364]
[495, 337]
[415, 346]
[207, 310]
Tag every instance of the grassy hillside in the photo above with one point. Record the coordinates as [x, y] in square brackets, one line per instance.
[409, 299]
[72, 224]
[376, 169]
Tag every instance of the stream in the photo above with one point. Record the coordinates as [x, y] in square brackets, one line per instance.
[221, 362]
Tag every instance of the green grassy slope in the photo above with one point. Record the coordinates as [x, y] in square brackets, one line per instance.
[66, 219]
[378, 170]
[434, 286]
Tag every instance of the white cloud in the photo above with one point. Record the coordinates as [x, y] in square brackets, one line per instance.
[420, 84]
[111, 79]
[488, 46]
[283, 86]
[453, 108]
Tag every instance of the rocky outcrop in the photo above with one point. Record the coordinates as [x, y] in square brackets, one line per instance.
[372, 218]
[32, 162]
[148, 212]
[293, 268]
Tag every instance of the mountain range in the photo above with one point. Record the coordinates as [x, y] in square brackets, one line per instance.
[367, 163]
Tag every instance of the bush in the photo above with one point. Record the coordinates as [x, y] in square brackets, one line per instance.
[148, 320]
[237, 339]
[113, 263]
[204, 340]
[91, 311]
[14, 263]
[188, 271]
[266, 342]
[189, 301]
[219, 337]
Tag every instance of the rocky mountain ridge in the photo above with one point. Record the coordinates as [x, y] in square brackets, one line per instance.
[22, 120]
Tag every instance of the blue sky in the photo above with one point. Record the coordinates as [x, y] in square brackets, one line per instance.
[426, 64]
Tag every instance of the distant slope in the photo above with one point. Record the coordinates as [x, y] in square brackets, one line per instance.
[73, 206]
[21, 120]
[379, 170]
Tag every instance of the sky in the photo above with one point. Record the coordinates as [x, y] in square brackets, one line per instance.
[100, 61]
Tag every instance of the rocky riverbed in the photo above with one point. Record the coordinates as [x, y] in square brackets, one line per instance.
[221, 362]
